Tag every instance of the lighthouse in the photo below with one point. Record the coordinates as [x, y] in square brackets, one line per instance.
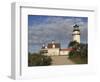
[76, 33]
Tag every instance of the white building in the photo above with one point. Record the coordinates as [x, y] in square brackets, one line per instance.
[51, 49]
[54, 48]
[76, 33]
[65, 51]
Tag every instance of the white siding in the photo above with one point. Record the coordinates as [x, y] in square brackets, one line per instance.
[64, 52]
[76, 36]
[53, 51]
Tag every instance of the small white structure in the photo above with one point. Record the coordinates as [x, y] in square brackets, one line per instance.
[65, 51]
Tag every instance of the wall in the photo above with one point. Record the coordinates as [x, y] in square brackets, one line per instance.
[76, 37]
[5, 40]
[53, 51]
[64, 52]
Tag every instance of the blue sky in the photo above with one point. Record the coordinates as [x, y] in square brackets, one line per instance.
[44, 29]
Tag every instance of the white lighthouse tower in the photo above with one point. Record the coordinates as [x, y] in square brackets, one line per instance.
[76, 33]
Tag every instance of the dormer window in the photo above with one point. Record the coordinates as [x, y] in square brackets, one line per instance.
[53, 46]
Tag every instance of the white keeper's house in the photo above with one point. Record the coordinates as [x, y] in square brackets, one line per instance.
[54, 48]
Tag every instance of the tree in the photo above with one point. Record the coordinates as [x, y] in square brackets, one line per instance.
[74, 45]
[79, 53]
[78, 49]
[83, 50]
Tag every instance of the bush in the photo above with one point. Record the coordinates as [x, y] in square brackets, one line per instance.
[73, 54]
[79, 49]
[80, 53]
[38, 60]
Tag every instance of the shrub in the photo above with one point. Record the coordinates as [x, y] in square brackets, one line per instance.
[38, 60]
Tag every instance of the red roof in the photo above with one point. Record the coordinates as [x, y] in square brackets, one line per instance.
[66, 49]
[57, 45]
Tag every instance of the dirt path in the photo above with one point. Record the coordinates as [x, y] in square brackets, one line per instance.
[61, 60]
